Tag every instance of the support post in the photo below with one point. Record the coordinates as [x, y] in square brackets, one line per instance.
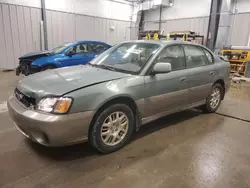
[225, 25]
[214, 20]
[44, 20]
[160, 16]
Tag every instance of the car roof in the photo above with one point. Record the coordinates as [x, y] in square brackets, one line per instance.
[160, 42]
[77, 42]
[163, 42]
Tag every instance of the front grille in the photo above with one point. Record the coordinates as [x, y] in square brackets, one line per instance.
[24, 66]
[24, 99]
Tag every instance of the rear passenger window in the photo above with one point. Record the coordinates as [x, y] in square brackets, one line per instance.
[173, 55]
[209, 56]
[195, 57]
[98, 48]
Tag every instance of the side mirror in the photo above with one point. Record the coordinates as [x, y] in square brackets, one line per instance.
[161, 68]
[70, 53]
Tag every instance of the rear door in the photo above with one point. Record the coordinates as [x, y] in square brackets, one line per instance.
[97, 48]
[82, 55]
[201, 72]
[169, 91]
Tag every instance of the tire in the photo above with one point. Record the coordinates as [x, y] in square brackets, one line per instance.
[48, 67]
[103, 129]
[209, 107]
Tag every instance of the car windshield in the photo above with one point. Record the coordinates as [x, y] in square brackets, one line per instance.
[59, 49]
[127, 57]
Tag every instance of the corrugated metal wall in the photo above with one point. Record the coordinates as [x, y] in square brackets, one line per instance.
[199, 24]
[20, 31]
[240, 28]
[64, 27]
[60, 27]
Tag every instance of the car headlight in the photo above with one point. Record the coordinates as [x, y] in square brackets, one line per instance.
[54, 105]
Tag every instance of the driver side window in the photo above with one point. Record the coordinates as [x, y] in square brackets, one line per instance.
[173, 55]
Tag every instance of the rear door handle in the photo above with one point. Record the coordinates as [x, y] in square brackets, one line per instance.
[211, 73]
[183, 79]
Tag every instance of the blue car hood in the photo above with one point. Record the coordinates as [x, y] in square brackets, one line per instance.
[33, 54]
[57, 82]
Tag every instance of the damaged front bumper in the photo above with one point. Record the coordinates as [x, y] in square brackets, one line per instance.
[27, 69]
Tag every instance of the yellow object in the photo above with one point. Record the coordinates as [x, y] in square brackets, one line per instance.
[156, 36]
[184, 38]
[62, 105]
[168, 37]
[238, 60]
[180, 32]
[148, 36]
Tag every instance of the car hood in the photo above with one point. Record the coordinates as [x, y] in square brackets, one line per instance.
[58, 82]
[33, 54]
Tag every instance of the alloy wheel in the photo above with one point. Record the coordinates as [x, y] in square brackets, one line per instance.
[215, 98]
[114, 128]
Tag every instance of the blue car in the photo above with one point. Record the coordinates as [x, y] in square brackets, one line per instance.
[69, 54]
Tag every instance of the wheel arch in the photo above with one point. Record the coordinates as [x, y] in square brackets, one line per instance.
[222, 83]
[124, 99]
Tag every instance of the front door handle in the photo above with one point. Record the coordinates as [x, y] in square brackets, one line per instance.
[211, 73]
[183, 79]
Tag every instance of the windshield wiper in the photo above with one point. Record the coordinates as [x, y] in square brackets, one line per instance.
[103, 66]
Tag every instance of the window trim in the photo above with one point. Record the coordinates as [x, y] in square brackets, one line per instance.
[93, 43]
[201, 48]
[154, 62]
[144, 67]
[88, 46]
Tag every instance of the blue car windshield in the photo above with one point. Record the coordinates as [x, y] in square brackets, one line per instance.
[60, 49]
[128, 57]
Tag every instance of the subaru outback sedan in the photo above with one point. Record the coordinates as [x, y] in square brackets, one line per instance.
[110, 98]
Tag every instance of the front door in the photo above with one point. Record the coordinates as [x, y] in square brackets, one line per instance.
[201, 72]
[169, 91]
[81, 55]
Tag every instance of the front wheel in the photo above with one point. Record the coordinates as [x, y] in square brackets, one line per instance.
[112, 128]
[214, 99]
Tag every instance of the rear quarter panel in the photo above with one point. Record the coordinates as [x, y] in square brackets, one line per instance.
[223, 71]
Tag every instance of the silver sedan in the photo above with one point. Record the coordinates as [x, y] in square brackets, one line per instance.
[110, 98]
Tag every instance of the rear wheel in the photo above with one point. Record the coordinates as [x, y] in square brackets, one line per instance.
[112, 128]
[214, 99]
